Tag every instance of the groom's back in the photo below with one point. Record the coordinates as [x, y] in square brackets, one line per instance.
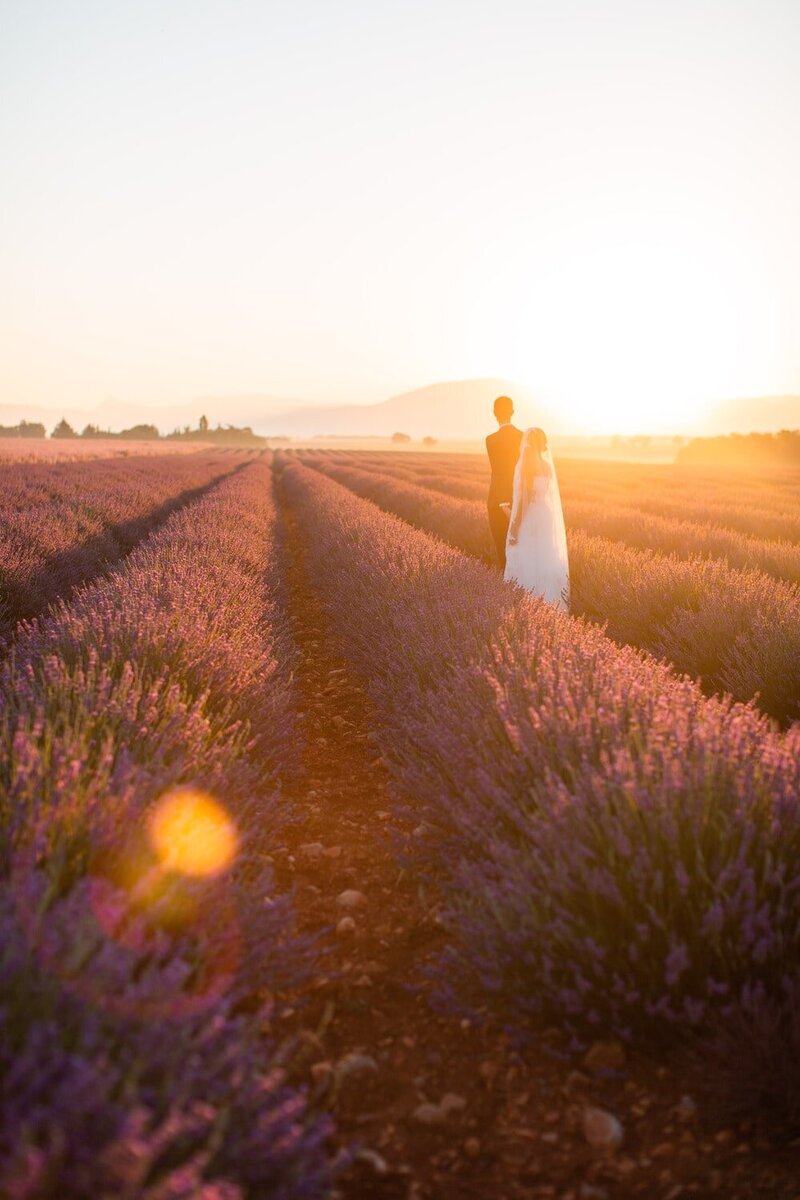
[503, 450]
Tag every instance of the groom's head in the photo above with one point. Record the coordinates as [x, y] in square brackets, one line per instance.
[503, 409]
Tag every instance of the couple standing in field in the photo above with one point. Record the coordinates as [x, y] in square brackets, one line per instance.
[525, 514]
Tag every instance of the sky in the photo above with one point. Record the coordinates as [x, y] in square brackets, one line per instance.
[336, 202]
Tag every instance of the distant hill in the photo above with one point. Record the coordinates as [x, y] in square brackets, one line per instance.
[450, 410]
[455, 409]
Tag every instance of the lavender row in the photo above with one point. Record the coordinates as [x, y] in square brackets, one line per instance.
[61, 524]
[687, 539]
[615, 850]
[598, 512]
[145, 730]
[625, 480]
[50, 450]
[760, 507]
[738, 631]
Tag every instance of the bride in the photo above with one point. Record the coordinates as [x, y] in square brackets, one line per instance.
[536, 546]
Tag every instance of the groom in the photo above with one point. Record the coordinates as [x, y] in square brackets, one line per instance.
[503, 450]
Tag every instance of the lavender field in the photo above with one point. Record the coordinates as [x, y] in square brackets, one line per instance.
[333, 865]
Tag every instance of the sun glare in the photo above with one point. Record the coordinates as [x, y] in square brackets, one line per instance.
[633, 336]
[192, 833]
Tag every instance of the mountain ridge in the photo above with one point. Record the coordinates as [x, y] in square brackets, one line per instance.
[448, 410]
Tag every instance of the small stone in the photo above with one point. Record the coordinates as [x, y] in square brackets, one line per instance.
[312, 850]
[345, 927]
[354, 1064]
[575, 1081]
[321, 1072]
[451, 1103]
[374, 1160]
[488, 1072]
[662, 1150]
[382, 815]
[472, 1147]
[605, 1056]
[332, 852]
[601, 1129]
[429, 1114]
[685, 1109]
[351, 899]
[551, 1139]
[588, 1191]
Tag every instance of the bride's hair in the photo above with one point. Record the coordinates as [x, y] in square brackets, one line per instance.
[534, 445]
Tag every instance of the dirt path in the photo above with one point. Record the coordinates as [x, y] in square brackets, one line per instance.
[514, 1128]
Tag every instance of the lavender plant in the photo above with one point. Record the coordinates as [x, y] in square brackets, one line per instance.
[604, 510]
[63, 523]
[129, 1062]
[614, 848]
[739, 631]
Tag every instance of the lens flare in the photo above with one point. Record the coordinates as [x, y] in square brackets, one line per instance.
[192, 833]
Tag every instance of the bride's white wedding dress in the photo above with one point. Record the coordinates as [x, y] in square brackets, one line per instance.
[537, 560]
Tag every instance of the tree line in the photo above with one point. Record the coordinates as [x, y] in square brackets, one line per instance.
[227, 435]
[744, 449]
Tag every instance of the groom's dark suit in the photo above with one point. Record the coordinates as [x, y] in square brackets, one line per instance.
[503, 450]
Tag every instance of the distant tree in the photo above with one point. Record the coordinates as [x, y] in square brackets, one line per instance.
[25, 429]
[31, 429]
[768, 449]
[227, 436]
[91, 431]
[202, 424]
[429, 441]
[141, 433]
[63, 430]
[400, 438]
